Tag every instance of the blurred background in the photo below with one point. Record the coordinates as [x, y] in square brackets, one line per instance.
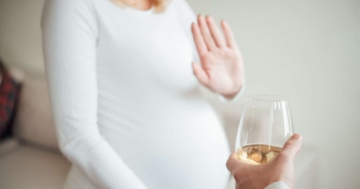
[307, 50]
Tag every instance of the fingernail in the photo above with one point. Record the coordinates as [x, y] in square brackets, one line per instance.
[297, 137]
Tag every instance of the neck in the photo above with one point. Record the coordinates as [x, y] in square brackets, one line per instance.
[138, 4]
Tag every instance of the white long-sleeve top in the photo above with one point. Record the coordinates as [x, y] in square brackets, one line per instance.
[127, 108]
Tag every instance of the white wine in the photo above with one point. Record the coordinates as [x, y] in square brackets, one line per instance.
[257, 154]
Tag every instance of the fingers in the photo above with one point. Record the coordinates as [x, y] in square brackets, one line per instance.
[208, 37]
[238, 169]
[199, 40]
[217, 36]
[205, 31]
[292, 146]
[229, 36]
[232, 162]
[200, 74]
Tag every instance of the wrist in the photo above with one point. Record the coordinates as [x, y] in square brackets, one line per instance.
[277, 185]
[280, 180]
[234, 92]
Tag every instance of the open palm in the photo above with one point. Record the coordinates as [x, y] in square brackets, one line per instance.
[221, 69]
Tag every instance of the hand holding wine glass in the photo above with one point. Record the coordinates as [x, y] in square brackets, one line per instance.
[258, 177]
[264, 150]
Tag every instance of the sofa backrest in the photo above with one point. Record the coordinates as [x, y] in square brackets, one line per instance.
[34, 120]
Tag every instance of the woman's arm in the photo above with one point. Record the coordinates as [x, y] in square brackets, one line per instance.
[69, 37]
[205, 71]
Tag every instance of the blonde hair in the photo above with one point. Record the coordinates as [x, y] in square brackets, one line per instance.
[158, 4]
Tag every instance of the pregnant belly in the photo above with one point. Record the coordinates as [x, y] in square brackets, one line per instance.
[179, 148]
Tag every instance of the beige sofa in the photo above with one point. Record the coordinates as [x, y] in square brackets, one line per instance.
[31, 159]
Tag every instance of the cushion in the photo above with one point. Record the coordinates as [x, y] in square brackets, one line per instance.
[9, 89]
[32, 168]
[34, 120]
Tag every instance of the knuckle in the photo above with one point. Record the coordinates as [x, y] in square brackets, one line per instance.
[229, 163]
[289, 144]
[228, 166]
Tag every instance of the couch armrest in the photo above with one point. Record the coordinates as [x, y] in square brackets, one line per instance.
[33, 122]
[8, 145]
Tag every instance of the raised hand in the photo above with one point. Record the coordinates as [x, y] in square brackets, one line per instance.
[222, 68]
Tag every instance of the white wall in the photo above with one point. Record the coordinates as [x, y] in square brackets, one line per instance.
[20, 37]
[307, 50]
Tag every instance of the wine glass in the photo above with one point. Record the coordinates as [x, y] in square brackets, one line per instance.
[265, 126]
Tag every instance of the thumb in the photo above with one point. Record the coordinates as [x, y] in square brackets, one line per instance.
[292, 146]
[200, 74]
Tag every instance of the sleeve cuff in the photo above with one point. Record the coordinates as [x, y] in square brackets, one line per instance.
[277, 185]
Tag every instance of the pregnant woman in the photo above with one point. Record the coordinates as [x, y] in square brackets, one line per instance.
[124, 85]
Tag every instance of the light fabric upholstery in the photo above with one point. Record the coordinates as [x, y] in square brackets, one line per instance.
[34, 120]
[26, 167]
[8, 145]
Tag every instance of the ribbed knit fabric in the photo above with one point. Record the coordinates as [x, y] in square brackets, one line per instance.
[127, 107]
[277, 185]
